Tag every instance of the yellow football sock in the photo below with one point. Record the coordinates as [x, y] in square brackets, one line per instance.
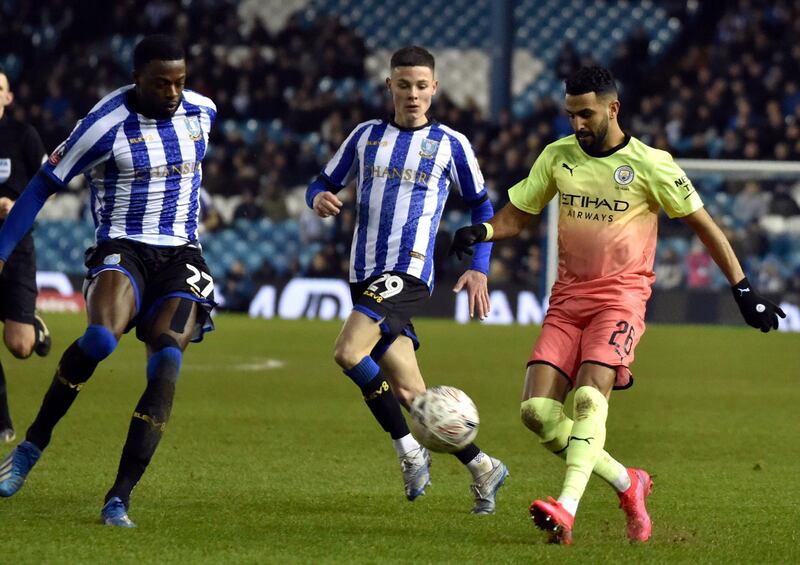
[586, 440]
[546, 418]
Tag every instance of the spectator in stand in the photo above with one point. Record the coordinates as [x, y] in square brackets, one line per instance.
[668, 269]
[273, 199]
[238, 289]
[782, 202]
[751, 203]
[248, 208]
[770, 279]
[698, 266]
[568, 61]
[325, 264]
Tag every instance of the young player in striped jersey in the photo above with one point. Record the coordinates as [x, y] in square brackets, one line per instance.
[140, 148]
[610, 188]
[404, 168]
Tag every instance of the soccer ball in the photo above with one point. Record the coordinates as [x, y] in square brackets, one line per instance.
[444, 419]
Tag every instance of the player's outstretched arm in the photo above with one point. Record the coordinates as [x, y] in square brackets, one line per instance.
[756, 310]
[507, 223]
[21, 216]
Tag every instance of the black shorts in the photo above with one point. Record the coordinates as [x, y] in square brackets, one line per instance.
[18, 284]
[391, 299]
[156, 274]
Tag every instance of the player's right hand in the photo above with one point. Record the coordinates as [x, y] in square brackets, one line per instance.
[2, 264]
[5, 207]
[465, 238]
[327, 204]
[756, 310]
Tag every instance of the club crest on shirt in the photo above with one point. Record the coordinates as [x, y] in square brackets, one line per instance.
[193, 127]
[428, 148]
[5, 169]
[624, 175]
[113, 259]
[57, 154]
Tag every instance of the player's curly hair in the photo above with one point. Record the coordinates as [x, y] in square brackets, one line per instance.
[412, 56]
[591, 79]
[157, 48]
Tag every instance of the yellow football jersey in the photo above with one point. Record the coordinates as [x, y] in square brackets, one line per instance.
[608, 215]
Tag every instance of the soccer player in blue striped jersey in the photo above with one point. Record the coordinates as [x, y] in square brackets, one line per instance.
[404, 169]
[140, 149]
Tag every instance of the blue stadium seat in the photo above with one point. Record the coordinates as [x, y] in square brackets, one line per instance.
[308, 253]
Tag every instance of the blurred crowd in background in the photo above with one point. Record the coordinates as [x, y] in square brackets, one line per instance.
[286, 99]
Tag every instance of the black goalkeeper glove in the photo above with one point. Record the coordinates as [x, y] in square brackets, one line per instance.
[465, 238]
[756, 310]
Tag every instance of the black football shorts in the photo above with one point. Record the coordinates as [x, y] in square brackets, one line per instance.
[157, 273]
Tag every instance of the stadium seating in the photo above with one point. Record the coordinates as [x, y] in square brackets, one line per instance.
[543, 26]
[459, 35]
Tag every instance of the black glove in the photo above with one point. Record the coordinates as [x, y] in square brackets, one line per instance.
[756, 310]
[465, 238]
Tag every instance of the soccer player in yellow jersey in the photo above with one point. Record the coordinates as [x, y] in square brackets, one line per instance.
[610, 187]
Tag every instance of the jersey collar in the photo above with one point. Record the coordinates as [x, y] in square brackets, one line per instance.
[607, 152]
[401, 128]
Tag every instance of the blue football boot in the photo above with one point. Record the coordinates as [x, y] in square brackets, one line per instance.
[114, 513]
[15, 467]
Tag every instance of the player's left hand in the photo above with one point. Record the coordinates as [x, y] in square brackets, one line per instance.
[476, 284]
[756, 310]
[2, 264]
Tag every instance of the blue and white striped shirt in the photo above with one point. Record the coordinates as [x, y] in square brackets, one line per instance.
[144, 174]
[403, 178]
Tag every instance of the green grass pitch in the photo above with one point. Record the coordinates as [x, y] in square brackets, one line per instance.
[270, 455]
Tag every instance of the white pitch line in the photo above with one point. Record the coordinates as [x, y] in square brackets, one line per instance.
[263, 365]
[257, 365]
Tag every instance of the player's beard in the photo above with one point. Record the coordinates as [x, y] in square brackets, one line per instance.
[594, 144]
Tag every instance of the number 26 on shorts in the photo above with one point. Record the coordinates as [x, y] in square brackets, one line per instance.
[623, 329]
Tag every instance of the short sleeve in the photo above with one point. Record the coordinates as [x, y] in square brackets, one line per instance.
[465, 173]
[671, 188]
[342, 167]
[534, 192]
[89, 143]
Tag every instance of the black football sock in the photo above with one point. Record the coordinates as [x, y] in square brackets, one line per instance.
[148, 422]
[379, 397]
[384, 406]
[468, 453]
[74, 369]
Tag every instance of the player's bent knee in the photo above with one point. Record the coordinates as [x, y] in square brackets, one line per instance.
[541, 416]
[347, 356]
[165, 363]
[98, 342]
[588, 400]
